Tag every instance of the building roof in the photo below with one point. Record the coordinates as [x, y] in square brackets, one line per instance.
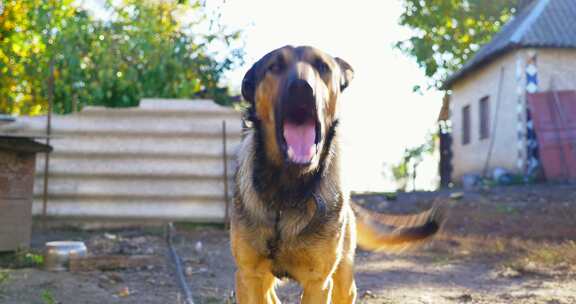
[22, 144]
[542, 24]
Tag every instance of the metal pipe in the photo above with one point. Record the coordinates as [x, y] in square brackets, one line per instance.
[177, 262]
[48, 134]
[225, 162]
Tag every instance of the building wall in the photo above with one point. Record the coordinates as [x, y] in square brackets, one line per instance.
[16, 180]
[470, 158]
[556, 68]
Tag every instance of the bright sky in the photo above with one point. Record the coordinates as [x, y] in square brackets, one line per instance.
[381, 114]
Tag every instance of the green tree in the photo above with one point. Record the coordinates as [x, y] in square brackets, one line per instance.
[446, 33]
[411, 159]
[146, 49]
[28, 33]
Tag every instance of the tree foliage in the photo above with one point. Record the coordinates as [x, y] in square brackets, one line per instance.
[411, 159]
[145, 49]
[446, 33]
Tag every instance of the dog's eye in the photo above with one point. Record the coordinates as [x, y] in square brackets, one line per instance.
[276, 67]
[321, 66]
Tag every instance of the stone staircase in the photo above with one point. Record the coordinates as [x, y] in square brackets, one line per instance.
[160, 161]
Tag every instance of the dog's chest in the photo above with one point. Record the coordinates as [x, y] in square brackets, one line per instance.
[279, 230]
[291, 255]
[285, 227]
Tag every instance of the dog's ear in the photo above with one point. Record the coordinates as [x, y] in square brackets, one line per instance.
[249, 85]
[346, 73]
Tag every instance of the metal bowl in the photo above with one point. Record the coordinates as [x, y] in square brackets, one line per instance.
[57, 254]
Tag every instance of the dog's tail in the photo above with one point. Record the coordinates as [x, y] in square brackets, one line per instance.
[395, 233]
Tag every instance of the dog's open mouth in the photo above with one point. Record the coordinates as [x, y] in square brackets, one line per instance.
[301, 133]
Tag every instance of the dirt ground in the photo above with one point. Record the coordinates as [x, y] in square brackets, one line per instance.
[501, 245]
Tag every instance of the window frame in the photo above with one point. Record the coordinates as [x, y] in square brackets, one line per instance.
[466, 125]
[484, 117]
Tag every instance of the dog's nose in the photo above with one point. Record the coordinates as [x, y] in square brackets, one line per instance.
[299, 102]
[300, 92]
[300, 87]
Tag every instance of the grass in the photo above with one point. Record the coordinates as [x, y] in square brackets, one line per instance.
[524, 256]
[214, 300]
[552, 255]
[194, 226]
[505, 209]
[391, 196]
[21, 259]
[542, 257]
[442, 259]
[47, 297]
[4, 276]
[474, 246]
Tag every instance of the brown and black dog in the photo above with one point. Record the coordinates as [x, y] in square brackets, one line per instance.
[292, 216]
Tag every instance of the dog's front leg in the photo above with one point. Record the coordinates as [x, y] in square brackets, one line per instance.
[315, 269]
[254, 281]
[255, 288]
[344, 287]
[317, 291]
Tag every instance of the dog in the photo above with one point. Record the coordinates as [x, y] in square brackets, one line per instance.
[291, 215]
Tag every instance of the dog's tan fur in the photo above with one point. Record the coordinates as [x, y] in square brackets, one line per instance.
[273, 237]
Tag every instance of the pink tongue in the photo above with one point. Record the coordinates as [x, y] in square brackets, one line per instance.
[300, 140]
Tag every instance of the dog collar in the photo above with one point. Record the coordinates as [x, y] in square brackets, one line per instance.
[320, 204]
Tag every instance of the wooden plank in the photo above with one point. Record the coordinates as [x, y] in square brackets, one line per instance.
[554, 116]
[112, 262]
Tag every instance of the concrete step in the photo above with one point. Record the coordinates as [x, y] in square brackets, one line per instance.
[132, 208]
[92, 186]
[200, 166]
[168, 145]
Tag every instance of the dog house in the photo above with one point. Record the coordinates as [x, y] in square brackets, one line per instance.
[17, 170]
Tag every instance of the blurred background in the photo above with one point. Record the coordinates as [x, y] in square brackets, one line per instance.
[113, 53]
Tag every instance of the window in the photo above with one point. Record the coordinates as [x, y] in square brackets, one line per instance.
[484, 117]
[466, 125]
